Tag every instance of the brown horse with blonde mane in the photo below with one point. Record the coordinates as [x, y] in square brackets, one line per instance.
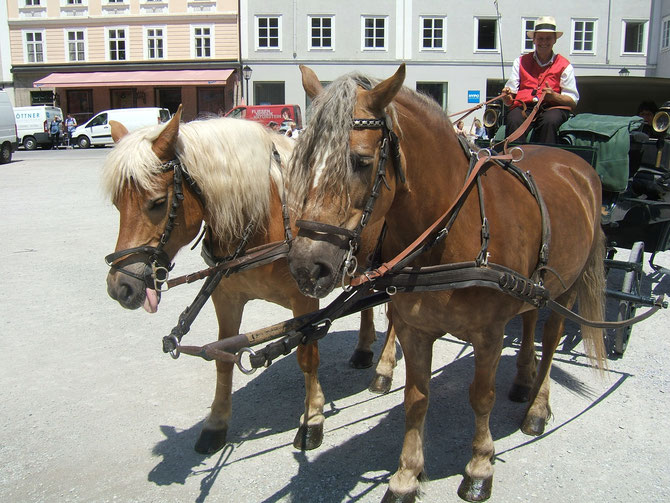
[236, 169]
[334, 170]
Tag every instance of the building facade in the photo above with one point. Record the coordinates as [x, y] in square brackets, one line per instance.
[457, 52]
[90, 55]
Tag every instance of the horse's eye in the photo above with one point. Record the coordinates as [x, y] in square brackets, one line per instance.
[361, 161]
[157, 204]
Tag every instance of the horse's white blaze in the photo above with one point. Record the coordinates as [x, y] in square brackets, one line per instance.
[320, 168]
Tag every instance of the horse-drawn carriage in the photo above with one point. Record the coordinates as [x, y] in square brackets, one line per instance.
[524, 236]
[633, 162]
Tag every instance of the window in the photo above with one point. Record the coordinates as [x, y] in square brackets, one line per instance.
[32, 3]
[432, 33]
[527, 25]
[34, 41]
[321, 33]
[76, 45]
[436, 90]
[665, 34]
[116, 42]
[267, 29]
[634, 39]
[269, 93]
[202, 41]
[487, 34]
[73, 2]
[155, 42]
[374, 33]
[583, 36]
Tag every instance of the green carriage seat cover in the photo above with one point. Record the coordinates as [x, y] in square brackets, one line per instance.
[609, 135]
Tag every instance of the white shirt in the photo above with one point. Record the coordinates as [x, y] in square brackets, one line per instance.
[568, 81]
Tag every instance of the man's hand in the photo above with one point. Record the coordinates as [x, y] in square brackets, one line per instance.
[508, 96]
[552, 98]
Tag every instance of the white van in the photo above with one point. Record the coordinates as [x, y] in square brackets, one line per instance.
[8, 141]
[97, 130]
[32, 125]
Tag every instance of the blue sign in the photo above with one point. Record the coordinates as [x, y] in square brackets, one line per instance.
[473, 96]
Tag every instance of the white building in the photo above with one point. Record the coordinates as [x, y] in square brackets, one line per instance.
[459, 52]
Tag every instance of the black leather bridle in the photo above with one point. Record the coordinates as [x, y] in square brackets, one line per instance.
[158, 263]
[390, 145]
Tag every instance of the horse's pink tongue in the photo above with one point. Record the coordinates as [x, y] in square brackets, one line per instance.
[151, 301]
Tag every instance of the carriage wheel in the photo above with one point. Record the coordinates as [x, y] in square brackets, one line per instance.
[631, 285]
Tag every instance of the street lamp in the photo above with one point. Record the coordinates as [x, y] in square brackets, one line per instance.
[624, 72]
[246, 73]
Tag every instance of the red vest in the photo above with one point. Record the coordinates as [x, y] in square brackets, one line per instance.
[533, 77]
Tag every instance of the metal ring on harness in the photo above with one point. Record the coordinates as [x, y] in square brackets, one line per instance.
[521, 153]
[174, 353]
[487, 152]
[239, 361]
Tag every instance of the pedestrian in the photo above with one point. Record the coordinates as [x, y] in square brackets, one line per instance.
[54, 130]
[70, 125]
[541, 72]
[477, 130]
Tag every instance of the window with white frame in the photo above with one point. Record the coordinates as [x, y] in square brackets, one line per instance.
[116, 1]
[583, 36]
[32, 3]
[73, 2]
[634, 37]
[76, 45]
[433, 33]
[527, 25]
[155, 42]
[486, 31]
[202, 41]
[374, 33]
[34, 46]
[665, 34]
[321, 32]
[116, 44]
[268, 32]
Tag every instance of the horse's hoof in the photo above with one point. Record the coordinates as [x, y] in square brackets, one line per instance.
[472, 489]
[533, 426]
[211, 441]
[308, 437]
[381, 384]
[519, 393]
[390, 497]
[361, 359]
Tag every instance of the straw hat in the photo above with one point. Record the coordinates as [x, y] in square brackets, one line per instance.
[544, 24]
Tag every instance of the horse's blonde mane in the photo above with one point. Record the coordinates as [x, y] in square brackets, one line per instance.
[230, 160]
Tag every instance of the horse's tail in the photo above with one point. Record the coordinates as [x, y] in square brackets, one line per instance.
[591, 298]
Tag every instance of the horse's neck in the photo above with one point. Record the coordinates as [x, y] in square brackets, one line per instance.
[436, 169]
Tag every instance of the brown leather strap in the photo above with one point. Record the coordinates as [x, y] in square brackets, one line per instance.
[481, 166]
[524, 125]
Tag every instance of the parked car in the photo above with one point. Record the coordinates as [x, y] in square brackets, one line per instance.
[8, 139]
[32, 125]
[97, 131]
[268, 113]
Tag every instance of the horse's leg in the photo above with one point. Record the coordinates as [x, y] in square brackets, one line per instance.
[362, 357]
[478, 480]
[539, 410]
[384, 371]
[213, 435]
[310, 432]
[418, 350]
[525, 361]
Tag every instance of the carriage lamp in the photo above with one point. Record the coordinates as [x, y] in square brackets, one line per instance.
[624, 72]
[661, 120]
[246, 73]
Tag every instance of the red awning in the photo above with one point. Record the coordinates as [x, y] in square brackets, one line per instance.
[136, 78]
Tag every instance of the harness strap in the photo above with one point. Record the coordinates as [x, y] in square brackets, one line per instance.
[480, 167]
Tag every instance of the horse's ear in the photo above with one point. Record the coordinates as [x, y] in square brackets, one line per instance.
[310, 82]
[118, 130]
[164, 145]
[384, 92]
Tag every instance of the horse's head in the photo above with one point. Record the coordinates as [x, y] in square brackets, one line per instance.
[159, 212]
[341, 172]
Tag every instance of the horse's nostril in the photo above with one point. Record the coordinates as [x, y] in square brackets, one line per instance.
[319, 271]
[125, 292]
